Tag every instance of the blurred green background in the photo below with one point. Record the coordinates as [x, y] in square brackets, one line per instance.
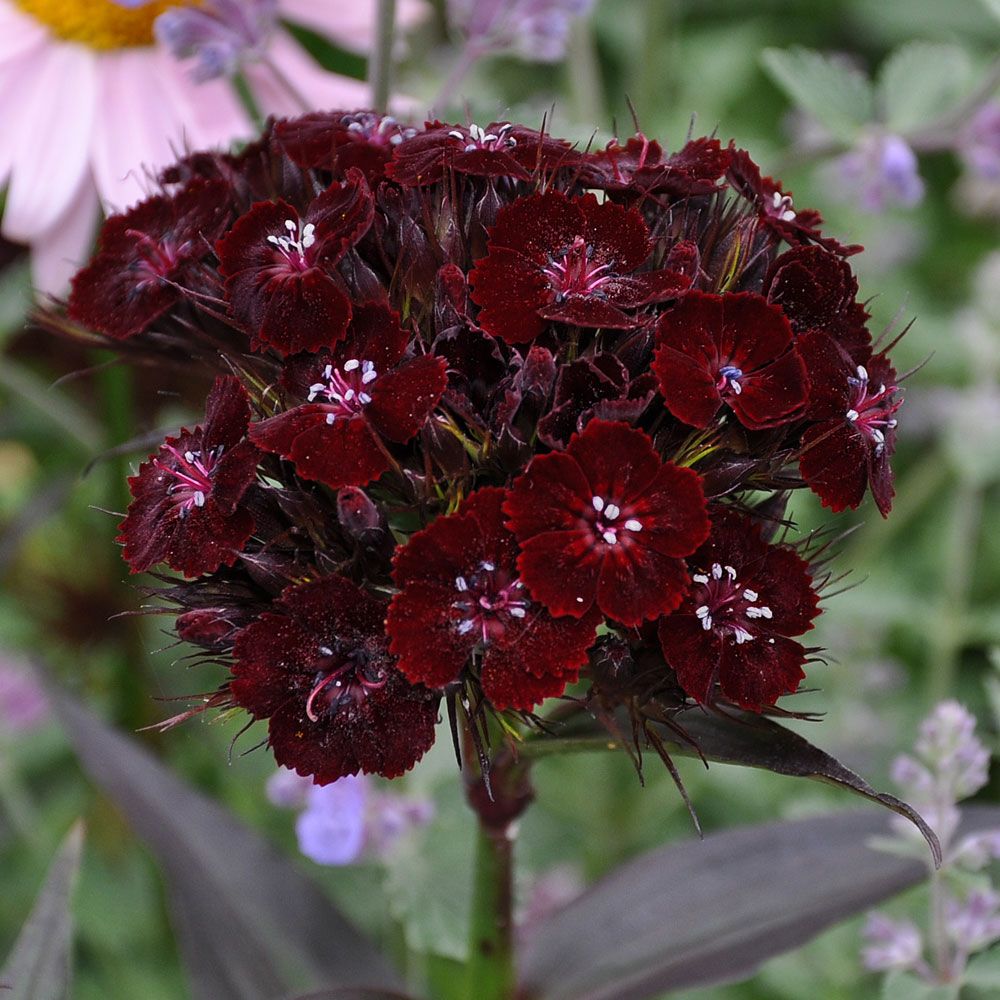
[917, 626]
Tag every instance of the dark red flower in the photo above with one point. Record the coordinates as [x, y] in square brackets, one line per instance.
[607, 523]
[499, 150]
[280, 268]
[849, 447]
[318, 668]
[775, 208]
[340, 140]
[186, 509]
[640, 166]
[816, 289]
[352, 399]
[732, 633]
[734, 349]
[144, 255]
[571, 260]
[461, 601]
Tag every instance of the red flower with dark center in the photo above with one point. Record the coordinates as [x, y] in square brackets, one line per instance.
[187, 509]
[734, 349]
[351, 400]
[732, 633]
[280, 269]
[318, 668]
[640, 167]
[775, 207]
[569, 260]
[461, 601]
[849, 447]
[340, 140]
[499, 150]
[606, 523]
[145, 255]
[816, 289]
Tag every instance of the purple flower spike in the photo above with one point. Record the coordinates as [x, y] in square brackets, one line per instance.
[23, 705]
[890, 944]
[979, 142]
[881, 171]
[974, 923]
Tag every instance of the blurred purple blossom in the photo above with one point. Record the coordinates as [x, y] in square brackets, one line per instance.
[974, 923]
[547, 893]
[219, 34]
[881, 170]
[890, 944]
[978, 143]
[535, 29]
[348, 820]
[23, 705]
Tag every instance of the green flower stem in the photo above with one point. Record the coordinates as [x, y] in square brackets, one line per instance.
[380, 60]
[584, 71]
[653, 82]
[491, 955]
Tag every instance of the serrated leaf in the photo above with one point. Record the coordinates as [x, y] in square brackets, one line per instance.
[250, 925]
[920, 83]
[837, 94]
[983, 969]
[713, 911]
[38, 967]
[906, 986]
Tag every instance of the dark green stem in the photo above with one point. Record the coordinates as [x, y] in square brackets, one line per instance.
[380, 60]
[491, 955]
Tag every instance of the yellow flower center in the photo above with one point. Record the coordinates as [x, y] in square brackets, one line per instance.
[99, 24]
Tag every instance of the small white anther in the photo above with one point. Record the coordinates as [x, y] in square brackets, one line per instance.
[706, 622]
[325, 651]
[730, 572]
[189, 456]
[737, 388]
[612, 510]
[700, 578]
[610, 537]
[633, 525]
[349, 395]
[455, 134]
[750, 595]
[702, 611]
[352, 365]
[487, 565]
[465, 627]
[878, 436]
[891, 423]
[862, 373]
[852, 415]
[199, 499]
[369, 376]
[364, 398]
[461, 583]
[597, 503]
[518, 612]
[742, 635]
[716, 571]
[330, 417]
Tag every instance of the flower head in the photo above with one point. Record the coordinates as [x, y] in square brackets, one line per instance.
[881, 170]
[733, 633]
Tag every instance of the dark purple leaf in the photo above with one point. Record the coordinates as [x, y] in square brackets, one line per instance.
[38, 967]
[250, 925]
[712, 911]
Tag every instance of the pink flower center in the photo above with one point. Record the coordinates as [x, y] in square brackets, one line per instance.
[722, 603]
[159, 257]
[343, 678]
[489, 598]
[379, 130]
[872, 412]
[192, 476]
[575, 272]
[292, 246]
[478, 138]
[346, 390]
[729, 378]
[611, 524]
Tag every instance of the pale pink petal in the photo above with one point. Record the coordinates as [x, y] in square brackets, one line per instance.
[51, 142]
[320, 89]
[137, 131]
[59, 252]
[211, 113]
[350, 24]
[18, 32]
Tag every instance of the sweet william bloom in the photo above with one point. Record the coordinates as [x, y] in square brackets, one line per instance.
[117, 106]
[848, 447]
[732, 635]
[144, 254]
[570, 260]
[607, 524]
[281, 274]
[187, 509]
[318, 668]
[461, 599]
[734, 349]
[350, 399]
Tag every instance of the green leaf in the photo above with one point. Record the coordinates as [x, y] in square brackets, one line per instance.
[920, 83]
[984, 969]
[38, 968]
[905, 986]
[250, 925]
[837, 94]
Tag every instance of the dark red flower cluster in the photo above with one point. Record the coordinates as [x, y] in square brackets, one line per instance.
[491, 413]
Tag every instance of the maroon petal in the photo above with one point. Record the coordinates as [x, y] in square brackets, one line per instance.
[672, 511]
[616, 459]
[402, 400]
[342, 214]
[773, 394]
[538, 226]
[509, 290]
[306, 312]
[550, 496]
[227, 412]
[619, 235]
[234, 473]
[508, 687]
[561, 569]
[688, 387]
[440, 552]
[586, 310]
[786, 580]
[834, 463]
[755, 674]
[693, 654]
[637, 584]
[375, 335]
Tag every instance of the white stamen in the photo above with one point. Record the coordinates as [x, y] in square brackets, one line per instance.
[742, 635]
[700, 578]
[597, 503]
[633, 525]
[730, 572]
[852, 415]
[189, 456]
[612, 511]
[460, 583]
[330, 417]
[199, 499]
[349, 395]
[579, 600]
[315, 390]
[455, 134]
[465, 627]
[750, 595]
[737, 388]
[352, 365]
[706, 622]
[290, 225]
[702, 611]
[488, 566]
[611, 538]
[369, 376]
[878, 436]
[325, 651]
[716, 571]
[363, 397]
[518, 612]
[761, 612]
[862, 373]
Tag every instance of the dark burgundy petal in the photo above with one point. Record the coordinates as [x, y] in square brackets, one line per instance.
[266, 652]
[561, 569]
[638, 584]
[509, 290]
[508, 686]
[772, 394]
[402, 400]
[333, 605]
[375, 335]
[537, 226]
[306, 312]
[550, 496]
[486, 505]
[440, 552]
[692, 652]
[586, 310]
[755, 674]
[616, 459]
[233, 474]
[688, 387]
[834, 463]
[672, 511]
[787, 581]
[619, 236]
[342, 214]
[227, 412]
[246, 247]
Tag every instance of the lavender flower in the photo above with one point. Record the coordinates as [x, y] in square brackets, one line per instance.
[890, 944]
[536, 29]
[218, 34]
[974, 923]
[978, 143]
[880, 171]
[23, 705]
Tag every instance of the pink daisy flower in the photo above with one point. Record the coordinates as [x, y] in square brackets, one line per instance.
[116, 105]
